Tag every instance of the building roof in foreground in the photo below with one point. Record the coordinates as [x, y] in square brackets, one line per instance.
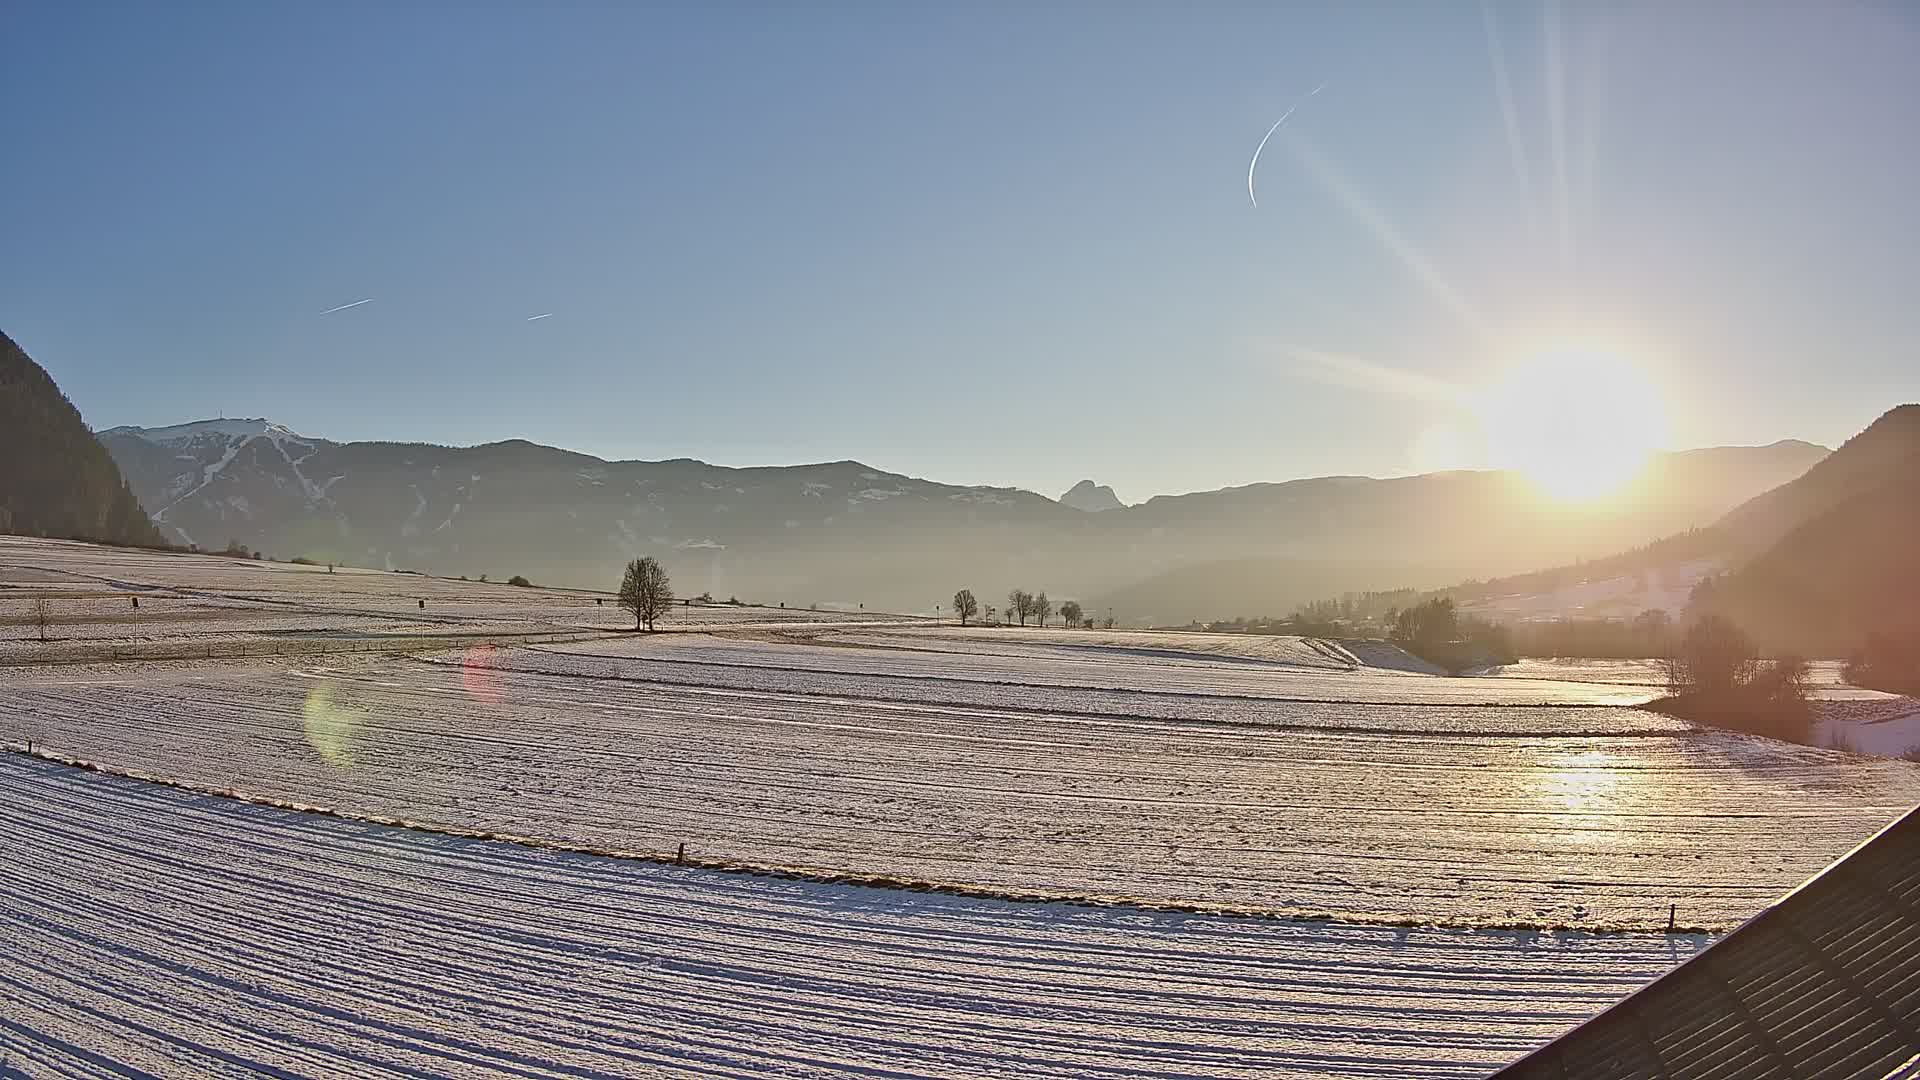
[1825, 983]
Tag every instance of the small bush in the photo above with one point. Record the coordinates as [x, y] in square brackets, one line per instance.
[302, 560]
[520, 580]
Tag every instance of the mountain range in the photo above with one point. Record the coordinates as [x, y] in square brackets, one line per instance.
[845, 534]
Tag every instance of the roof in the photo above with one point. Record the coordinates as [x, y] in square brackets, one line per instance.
[1825, 983]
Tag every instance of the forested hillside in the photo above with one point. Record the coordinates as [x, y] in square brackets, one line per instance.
[55, 477]
[1848, 564]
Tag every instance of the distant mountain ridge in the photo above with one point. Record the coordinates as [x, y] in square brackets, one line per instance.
[845, 533]
[1091, 497]
[56, 479]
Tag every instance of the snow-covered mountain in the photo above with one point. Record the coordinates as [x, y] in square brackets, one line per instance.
[844, 532]
[805, 533]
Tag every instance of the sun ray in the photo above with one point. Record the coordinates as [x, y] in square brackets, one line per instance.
[1557, 128]
[1374, 220]
[1509, 114]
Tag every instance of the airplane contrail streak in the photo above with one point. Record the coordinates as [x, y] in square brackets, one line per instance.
[1255, 163]
[544, 315]
[344, 307]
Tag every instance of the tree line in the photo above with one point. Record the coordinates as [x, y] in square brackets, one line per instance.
[1022, 605]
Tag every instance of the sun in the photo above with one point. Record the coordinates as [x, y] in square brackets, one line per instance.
[1580, 422]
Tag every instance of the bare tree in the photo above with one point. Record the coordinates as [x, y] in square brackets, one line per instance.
[42, 615]
[1042, 607]
[1715, 658]
[965, 606]
[646, 591]
[1070, 612]
[1020, 605]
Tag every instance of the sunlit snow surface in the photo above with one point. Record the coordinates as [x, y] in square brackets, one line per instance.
[150, 928]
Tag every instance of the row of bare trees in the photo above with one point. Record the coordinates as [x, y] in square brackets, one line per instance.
[1025, 605]
[1021, 605]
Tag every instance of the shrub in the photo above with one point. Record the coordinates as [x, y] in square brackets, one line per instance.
[1714, 658]
[520, 580]
[1716, 676]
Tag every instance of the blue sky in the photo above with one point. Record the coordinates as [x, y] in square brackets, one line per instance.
[986, 243]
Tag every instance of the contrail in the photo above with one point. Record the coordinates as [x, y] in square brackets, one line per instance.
[544, 315]
[344, 307]
[1255, 163]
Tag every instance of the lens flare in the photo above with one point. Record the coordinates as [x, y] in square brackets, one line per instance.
[477, 675]
[330, 727]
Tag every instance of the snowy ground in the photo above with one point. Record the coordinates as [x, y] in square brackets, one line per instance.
[180, 933]
[1514, 815]
[90, 593]
[154, 931]
[1093, 670]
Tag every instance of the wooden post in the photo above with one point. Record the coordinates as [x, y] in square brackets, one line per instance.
[680, 859]
[1671, 909]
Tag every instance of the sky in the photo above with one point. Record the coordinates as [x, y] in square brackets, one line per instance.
[982, 243]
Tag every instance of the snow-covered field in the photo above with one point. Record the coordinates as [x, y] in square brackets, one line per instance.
[1098, 670]
[1298, 863]
[153, 931]
[1585, 817]
[90, 593]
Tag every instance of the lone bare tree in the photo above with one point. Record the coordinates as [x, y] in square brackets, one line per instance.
[42, 615]
[1019, 605]
[965, 606]
[1042, 607]
[646, 591]
[1070, 612]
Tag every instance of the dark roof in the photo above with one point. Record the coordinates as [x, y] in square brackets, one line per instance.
[1825, 983]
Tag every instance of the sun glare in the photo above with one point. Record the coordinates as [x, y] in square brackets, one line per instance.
[1581, 423]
